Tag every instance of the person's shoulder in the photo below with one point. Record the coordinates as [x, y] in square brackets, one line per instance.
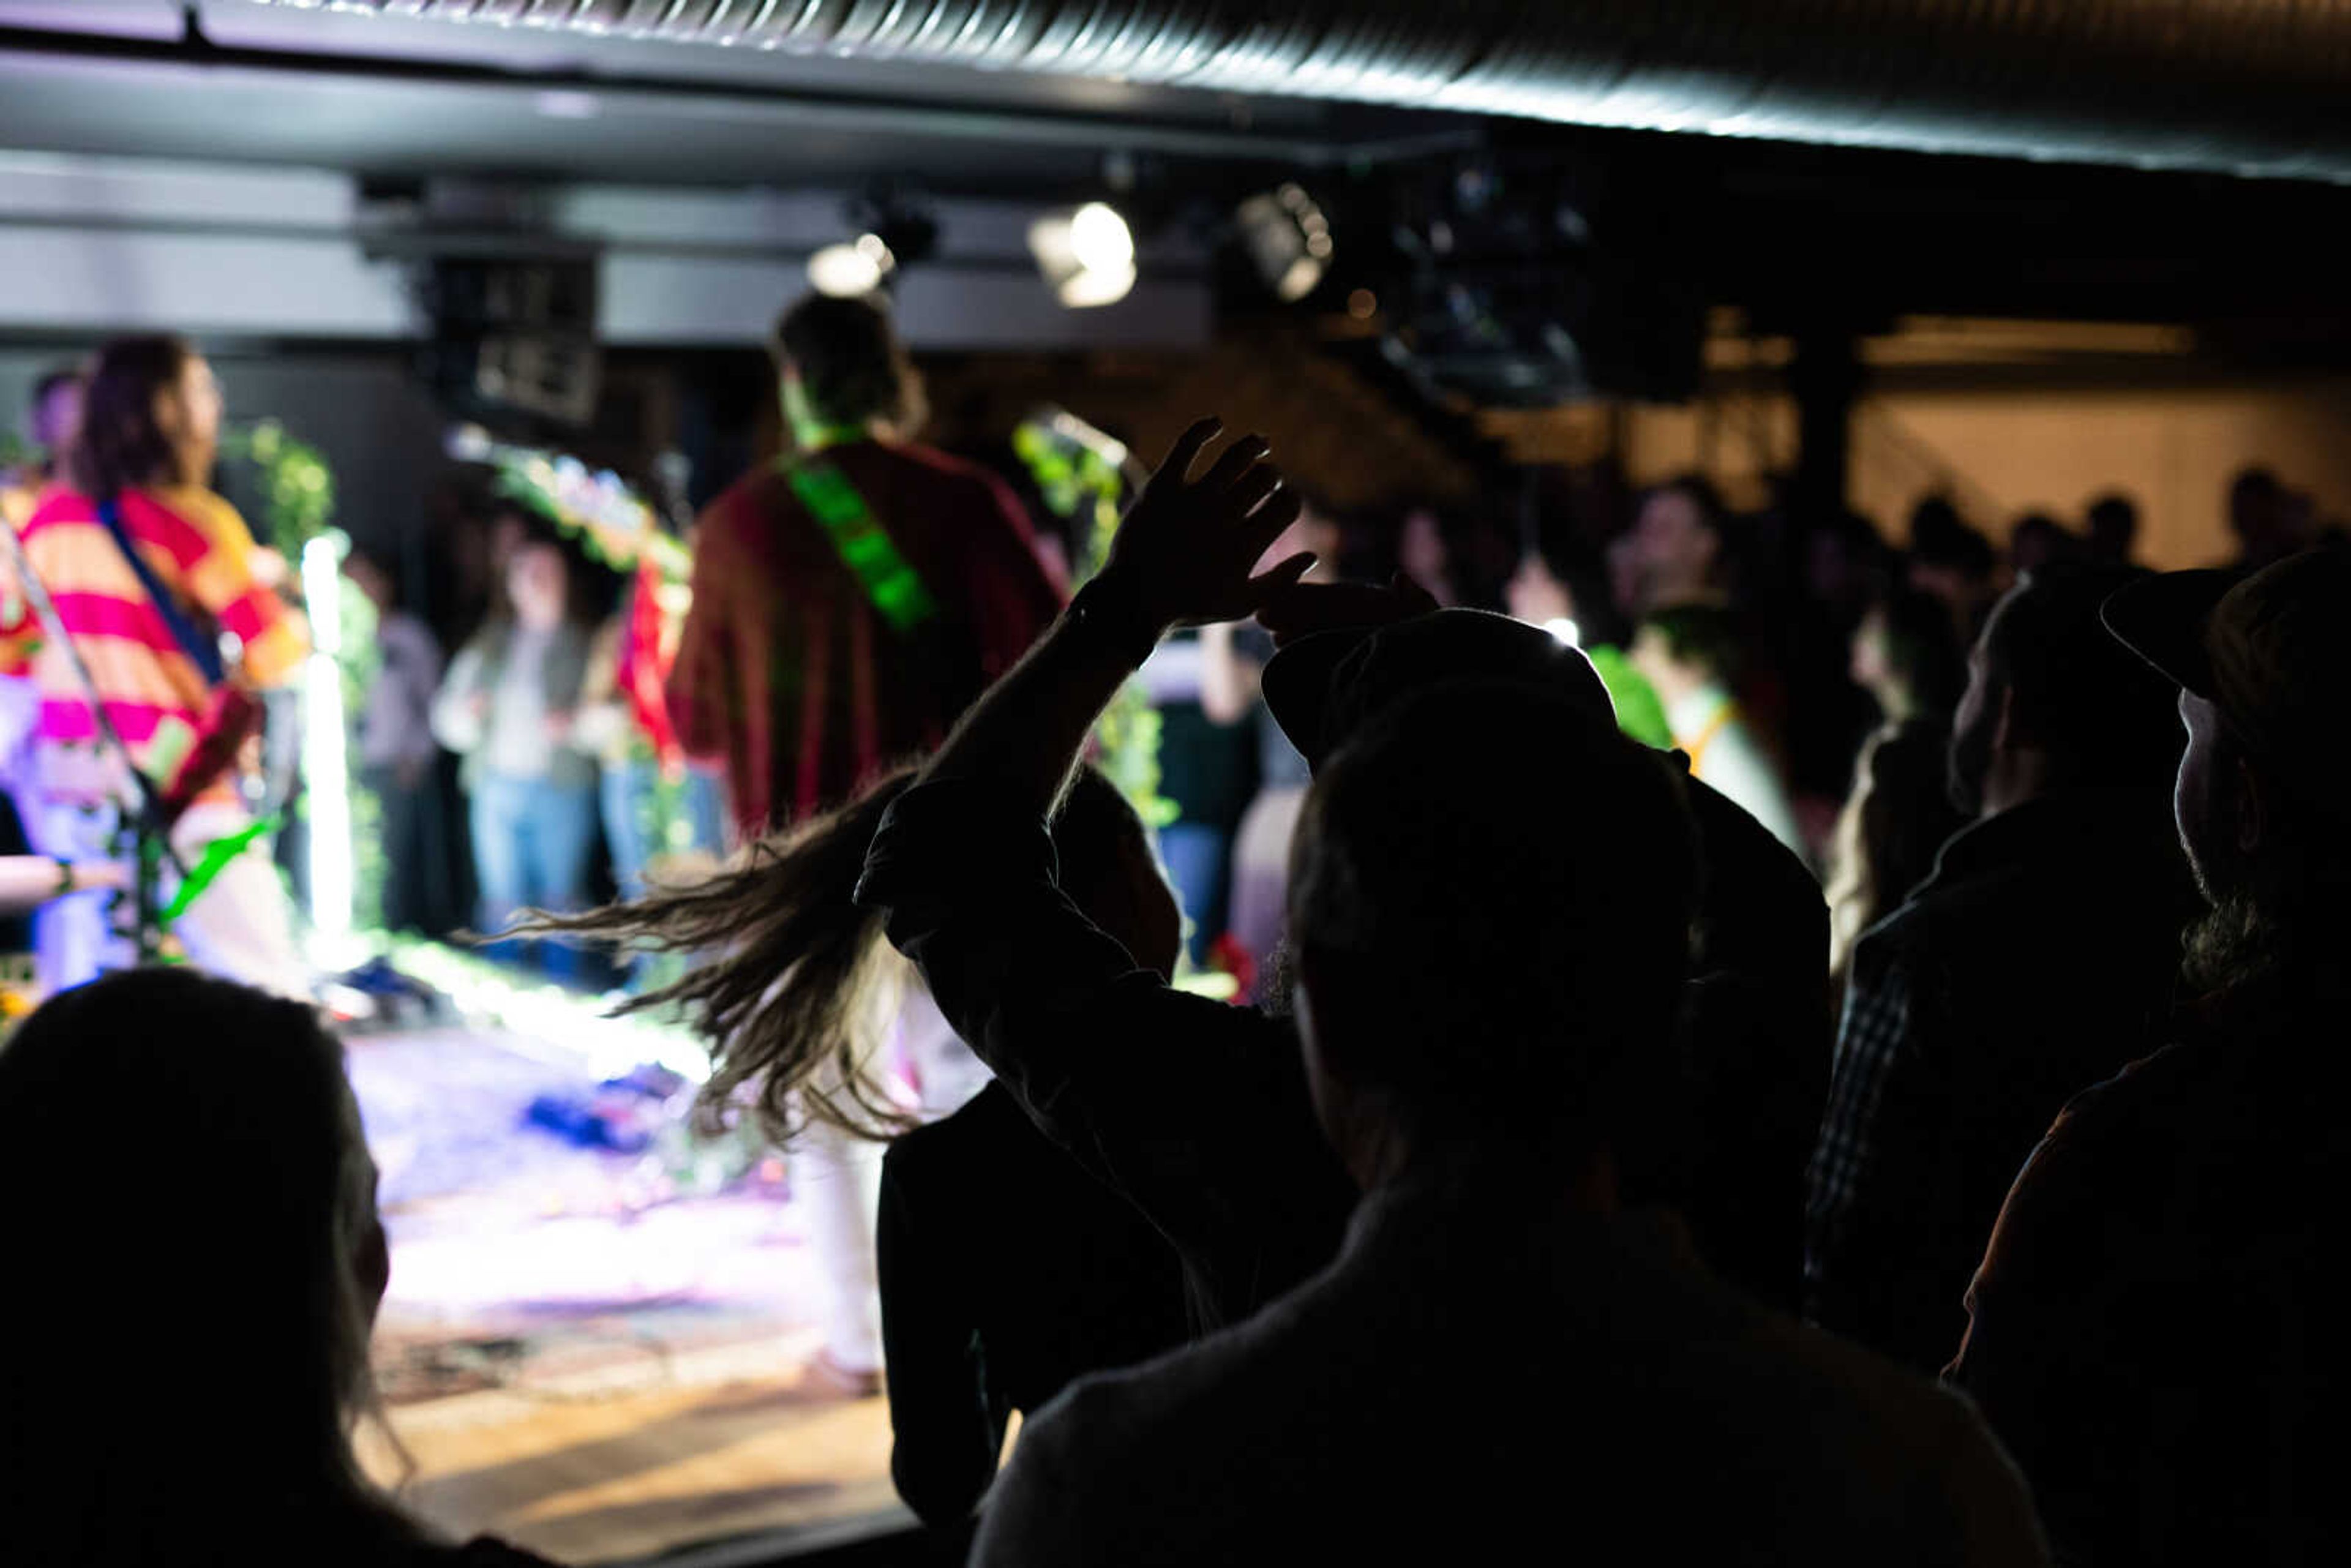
[206, 511]
[1915, 1433]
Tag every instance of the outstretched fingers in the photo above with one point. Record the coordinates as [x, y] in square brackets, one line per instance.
[1177, 465]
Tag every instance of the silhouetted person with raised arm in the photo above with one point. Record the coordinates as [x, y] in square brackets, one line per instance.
[2153, 1328]
[2037, 959]
[1200, 1115]
[1487, 985]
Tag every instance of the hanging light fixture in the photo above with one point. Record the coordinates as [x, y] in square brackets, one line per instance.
[1087, 254]
[1289, 239]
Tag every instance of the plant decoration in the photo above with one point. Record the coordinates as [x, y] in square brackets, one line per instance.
[1080, 473]
[296, 506]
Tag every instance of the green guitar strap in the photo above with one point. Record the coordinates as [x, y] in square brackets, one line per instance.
[890, 585]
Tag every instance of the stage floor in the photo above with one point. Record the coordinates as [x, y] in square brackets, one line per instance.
[575, 1356]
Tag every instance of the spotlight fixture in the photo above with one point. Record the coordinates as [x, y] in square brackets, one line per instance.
[851, 268]
[1289, 239]
[893, 232]
[1087, 254]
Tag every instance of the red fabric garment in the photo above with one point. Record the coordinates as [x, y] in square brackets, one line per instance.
[644, 667]
[786, 672]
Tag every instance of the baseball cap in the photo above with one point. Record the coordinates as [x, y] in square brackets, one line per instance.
[1324, 688]
[2271, 651]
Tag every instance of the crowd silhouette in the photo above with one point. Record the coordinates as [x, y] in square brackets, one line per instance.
[1581, 1173]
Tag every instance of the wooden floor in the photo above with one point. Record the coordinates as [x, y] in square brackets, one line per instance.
[617, 1476]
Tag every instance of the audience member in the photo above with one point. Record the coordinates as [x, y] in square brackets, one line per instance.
[2040, 541]
[1231, 692]
[184, 1389]
[1679, 549]
[1472, 1055]
[399, 759]
[1893, 826]
[2264, 515]
[1689, 655]
[2037, 960]
[1952, 561]
[507, 707]
[1208, 770]
[2112, 527]
[1201, 1117]
[850, 600]
[1908, 659]
[1007, 1273]
[2149, 1326]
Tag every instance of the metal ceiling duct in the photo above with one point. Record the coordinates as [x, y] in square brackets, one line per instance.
[2250, 86]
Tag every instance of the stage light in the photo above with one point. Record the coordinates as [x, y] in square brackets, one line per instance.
[1363, 303]
[1087, 256]
[1289, 240]
[850, 269]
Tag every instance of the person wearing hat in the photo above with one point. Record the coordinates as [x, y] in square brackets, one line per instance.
[1492, 911]
[2152, 1328]
[1199, 1112]
[2039, 956]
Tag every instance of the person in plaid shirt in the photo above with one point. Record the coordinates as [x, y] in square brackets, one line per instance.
[2037, 959]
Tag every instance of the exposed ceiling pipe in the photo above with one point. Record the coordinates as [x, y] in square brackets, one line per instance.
[2248, 87]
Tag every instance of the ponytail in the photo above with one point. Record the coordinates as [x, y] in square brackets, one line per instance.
[785, 975]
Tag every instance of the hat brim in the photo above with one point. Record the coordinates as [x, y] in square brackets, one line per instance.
[2162, 620]
[1297, 681]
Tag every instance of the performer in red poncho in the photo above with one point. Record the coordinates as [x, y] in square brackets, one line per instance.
[852, 598]
[850, 601]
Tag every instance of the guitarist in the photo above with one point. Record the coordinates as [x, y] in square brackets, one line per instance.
[173, 613]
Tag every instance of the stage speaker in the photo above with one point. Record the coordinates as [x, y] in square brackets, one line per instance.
[514, 335]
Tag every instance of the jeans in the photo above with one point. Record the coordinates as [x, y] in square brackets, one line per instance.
[628, 790]
[533, 842]
[1198, 856]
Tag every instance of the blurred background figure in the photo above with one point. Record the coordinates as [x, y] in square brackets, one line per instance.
[399, 759]
[1906, 656]
[1952, 561]
[1679, 552]
[1689, 654]
[1232, 692]
[507, 707]
[2040, 540]
[2267, 519]
[1893, 825]
[2112, 523]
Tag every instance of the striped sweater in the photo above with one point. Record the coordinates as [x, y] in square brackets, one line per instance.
[198, 547]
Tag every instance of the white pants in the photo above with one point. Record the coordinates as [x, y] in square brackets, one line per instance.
[242, 928]
[837, 1178]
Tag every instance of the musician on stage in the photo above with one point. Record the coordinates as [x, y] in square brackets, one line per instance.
[172, 617]
[848, 602]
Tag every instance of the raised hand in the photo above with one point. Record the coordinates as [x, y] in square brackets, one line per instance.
[1184, 555]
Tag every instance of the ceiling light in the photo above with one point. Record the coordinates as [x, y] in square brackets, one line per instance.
[1289, 239]
[850, 269]
[1087, 254]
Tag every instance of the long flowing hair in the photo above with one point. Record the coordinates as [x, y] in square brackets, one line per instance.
[789, 983]
[119, 446]
[183, 1335]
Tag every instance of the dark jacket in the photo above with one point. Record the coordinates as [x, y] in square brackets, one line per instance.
[1007, 1273]
[2040, 958]
[2155, 1326]
[1198, 1113]
[1480, 1378]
